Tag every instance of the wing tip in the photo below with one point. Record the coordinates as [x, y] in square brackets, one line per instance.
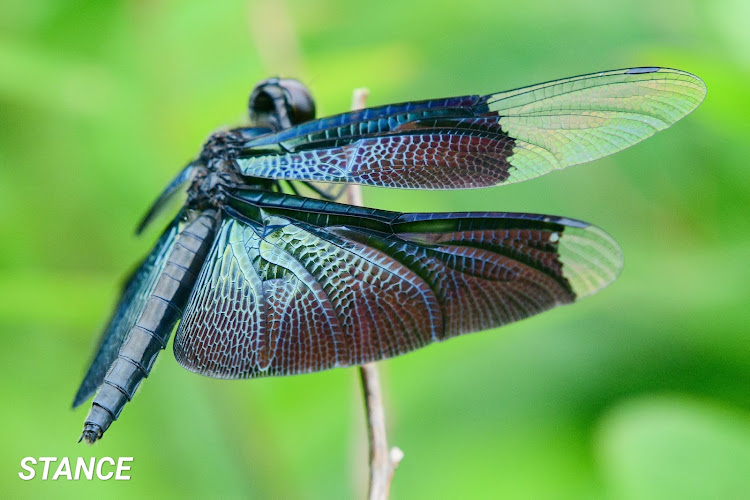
[85, 391]
[591, 258]
[698, 84]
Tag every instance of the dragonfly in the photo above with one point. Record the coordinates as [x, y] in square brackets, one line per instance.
[266, 280]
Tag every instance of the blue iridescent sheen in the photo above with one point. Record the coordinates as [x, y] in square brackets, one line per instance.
[270, 283]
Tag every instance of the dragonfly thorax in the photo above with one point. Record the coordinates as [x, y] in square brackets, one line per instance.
[221, 145]
[210, 185]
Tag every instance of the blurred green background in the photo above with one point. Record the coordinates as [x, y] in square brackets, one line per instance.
[642, 391]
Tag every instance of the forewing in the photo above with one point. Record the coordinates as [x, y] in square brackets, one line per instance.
[291, 295]
[132, 300]
[470, 141]
[581, 119]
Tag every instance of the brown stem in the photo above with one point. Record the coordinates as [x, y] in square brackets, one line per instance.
[383, 461]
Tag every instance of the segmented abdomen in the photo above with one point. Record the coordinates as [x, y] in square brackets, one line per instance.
[151, 332]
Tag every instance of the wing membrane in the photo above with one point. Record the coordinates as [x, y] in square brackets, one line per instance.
[581, 119]
[339, 286]
[472, 141]
[132, 300]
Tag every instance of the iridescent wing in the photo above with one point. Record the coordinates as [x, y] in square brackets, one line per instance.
[478, 141]
[295, 285]
[133, 299]
[169, 192]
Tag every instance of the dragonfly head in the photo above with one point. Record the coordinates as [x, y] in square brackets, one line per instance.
[280, 103]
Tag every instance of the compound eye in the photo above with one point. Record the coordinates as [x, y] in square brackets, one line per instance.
[279, 103]
[261, 102]
[301, 105]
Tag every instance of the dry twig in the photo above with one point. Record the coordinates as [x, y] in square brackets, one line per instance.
[383, 461]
